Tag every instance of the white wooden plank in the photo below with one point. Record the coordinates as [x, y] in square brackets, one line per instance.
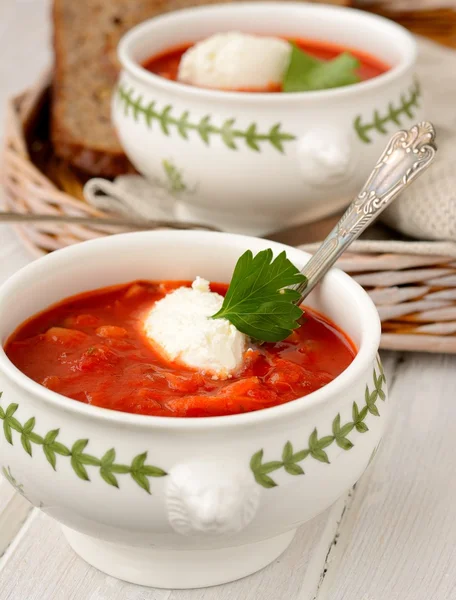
[14, 510]
[43, 567]
[398, 541]
[293, 576]
[67, 577]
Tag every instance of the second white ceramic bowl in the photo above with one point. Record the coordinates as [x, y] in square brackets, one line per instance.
[182, 503]
[256, 162]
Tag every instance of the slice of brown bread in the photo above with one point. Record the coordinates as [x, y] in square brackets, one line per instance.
[86, 33]
[85, 37]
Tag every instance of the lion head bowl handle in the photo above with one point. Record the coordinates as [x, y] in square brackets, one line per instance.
[209, 498]
[326, 157]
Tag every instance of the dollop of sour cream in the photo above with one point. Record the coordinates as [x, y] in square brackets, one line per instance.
[180, 327]
[235, 61]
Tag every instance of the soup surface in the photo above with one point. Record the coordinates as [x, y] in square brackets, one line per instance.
[92, 348]
[166, 64]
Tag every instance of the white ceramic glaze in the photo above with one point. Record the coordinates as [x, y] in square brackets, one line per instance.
[203, 499]
[226, 493]
[222, 154]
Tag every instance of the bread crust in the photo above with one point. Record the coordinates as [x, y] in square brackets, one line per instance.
[81, 129]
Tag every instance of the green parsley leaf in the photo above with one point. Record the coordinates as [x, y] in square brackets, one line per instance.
[307, 73]
[258, 302]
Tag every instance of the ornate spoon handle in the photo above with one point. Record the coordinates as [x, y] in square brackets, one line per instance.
[406, 156]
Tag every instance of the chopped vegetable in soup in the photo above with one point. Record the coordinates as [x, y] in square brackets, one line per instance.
[93, 348]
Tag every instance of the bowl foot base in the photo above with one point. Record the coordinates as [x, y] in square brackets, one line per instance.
[177, 569]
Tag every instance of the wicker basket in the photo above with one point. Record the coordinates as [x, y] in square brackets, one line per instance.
[52, 189]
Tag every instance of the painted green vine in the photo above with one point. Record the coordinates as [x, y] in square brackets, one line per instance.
[174, 176]
[392, 115]
[184, 124]
[109, 469]
[317, 445]
[12, 480]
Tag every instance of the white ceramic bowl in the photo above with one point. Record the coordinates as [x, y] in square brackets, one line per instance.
[251, 162]
[232, 496]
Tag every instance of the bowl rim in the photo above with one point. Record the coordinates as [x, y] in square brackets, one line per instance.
[405, 39]
[367, 350]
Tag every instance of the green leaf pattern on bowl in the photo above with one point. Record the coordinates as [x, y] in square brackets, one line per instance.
[391, 116]
[6, 472]
[316, 446]
[174, 176]
[183, 124]
[109, 469]
[204, 127]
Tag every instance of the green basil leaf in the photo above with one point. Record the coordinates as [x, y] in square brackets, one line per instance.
[307, 73]
[259, 302]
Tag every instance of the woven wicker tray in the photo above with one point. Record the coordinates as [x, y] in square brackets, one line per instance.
[35, 181]
[415, 294]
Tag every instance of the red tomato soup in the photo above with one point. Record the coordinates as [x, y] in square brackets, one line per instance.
[166, 64]
[92, 348]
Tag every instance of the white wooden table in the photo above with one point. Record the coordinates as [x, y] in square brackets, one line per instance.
[392, 538]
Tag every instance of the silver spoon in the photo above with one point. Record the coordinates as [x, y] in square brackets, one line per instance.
[406, 156]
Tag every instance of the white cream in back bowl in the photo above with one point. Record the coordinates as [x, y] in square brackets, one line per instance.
[235, 61]
[257, 162]
[212, 514]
